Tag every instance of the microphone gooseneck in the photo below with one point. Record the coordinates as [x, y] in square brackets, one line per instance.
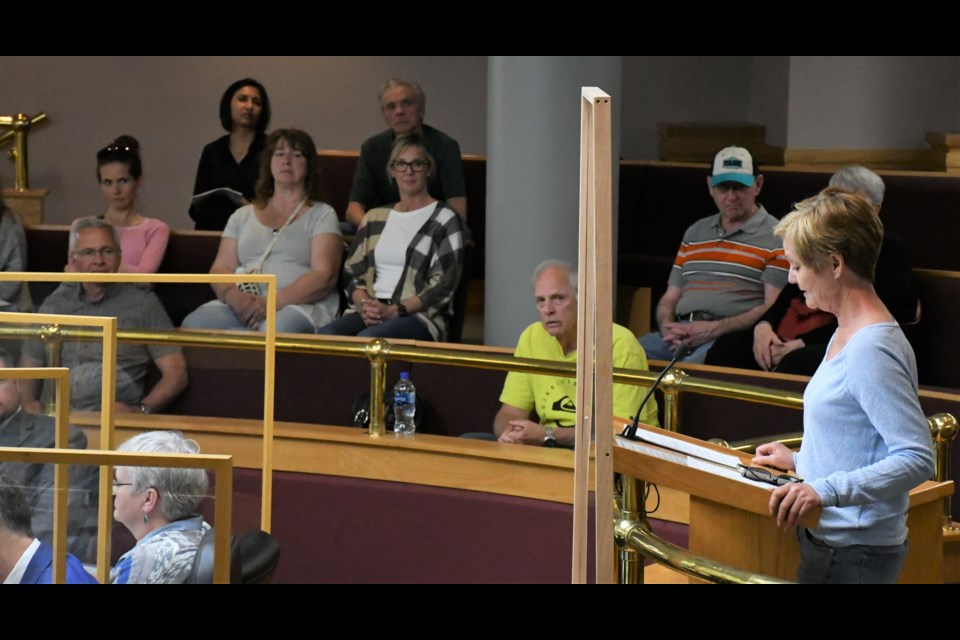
[682, 352]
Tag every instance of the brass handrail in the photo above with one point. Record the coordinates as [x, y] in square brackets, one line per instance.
[749, 445]
[637, 536]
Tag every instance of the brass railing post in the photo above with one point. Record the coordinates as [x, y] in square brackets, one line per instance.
[377, 351]
[671, 399]
[20, 125]
[632, 510]
[943, 428]
[52, 340]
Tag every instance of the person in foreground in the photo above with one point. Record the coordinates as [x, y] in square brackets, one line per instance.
[553, 398]
[157, 505]
[865, 439]
[405, 263]
[21, 429]
[23, 558]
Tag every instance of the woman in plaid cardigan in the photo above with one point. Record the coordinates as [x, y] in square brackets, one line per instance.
[405, 263]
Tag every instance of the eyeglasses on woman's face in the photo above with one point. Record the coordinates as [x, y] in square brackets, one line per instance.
[418, 165]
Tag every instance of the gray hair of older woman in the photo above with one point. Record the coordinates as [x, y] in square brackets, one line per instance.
[180, 490]
[860, 180]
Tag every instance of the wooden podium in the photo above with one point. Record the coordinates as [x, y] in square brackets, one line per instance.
[729, 521]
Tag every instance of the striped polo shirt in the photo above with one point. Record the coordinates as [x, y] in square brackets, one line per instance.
[724, 274]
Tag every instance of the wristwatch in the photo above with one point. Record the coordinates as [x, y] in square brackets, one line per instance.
[144, 408]
[401, 310]
[550, 437]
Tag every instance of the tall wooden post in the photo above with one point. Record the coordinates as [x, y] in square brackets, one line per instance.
[594, 337]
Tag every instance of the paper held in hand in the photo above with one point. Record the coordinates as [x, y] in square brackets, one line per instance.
[234, 196]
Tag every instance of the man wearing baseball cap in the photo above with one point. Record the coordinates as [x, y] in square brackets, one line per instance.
[729, 269]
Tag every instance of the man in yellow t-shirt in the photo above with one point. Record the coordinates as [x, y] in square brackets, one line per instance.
[552, 399]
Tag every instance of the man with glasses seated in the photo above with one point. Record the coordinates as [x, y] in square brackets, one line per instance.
[95, 247]
[403, 104]
[21, 429]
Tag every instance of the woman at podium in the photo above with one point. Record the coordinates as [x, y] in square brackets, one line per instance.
[866, 443]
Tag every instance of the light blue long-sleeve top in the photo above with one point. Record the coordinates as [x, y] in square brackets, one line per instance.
[866, 442]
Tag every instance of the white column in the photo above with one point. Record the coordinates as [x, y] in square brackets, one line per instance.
[533, 160]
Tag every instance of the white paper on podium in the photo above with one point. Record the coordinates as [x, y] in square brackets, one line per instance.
[692, 461]
[689, 448]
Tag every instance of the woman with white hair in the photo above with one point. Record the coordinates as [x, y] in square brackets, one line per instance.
[157, 505]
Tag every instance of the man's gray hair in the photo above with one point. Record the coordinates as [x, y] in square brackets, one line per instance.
[419, 97]
[862, 181]
[82, 224]
[557, 264]
[180, 489]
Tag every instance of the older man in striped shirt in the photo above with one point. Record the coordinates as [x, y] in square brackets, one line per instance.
[729, 269]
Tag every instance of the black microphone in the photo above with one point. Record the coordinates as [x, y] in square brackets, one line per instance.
[682, 352]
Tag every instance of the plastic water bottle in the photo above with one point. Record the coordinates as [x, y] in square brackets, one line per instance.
[404, 405]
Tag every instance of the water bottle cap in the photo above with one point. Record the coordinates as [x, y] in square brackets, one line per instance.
[404, 375]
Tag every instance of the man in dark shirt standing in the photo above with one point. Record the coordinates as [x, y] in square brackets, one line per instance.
[403, 104]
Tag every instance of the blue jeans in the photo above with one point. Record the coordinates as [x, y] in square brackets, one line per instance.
[821, 563]
[656, 349]
[217, 315]
[408, 328]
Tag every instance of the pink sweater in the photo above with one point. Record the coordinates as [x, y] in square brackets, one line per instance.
[143, 246]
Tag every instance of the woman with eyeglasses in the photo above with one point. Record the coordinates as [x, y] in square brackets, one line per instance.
[229, 166]
[158, 505]
[405, 263]
[13, 255]
[143, 240]
[288, 231]
[866, 442]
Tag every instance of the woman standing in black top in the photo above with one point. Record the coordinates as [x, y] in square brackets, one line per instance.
[232, 162]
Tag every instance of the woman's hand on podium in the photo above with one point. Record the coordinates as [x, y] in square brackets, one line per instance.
[776, 455]
[790, 502]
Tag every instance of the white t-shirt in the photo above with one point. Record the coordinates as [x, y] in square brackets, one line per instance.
[390, 254]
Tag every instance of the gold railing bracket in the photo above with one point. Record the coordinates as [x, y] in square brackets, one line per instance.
[943, 428]
[377, 351]
[20, 125]
[671, 398]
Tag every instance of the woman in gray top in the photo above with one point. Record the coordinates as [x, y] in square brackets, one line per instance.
[287, 231]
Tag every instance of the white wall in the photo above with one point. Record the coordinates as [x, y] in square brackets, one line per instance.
[769, 92]
[679, 89]
[870, 102]
[170, 105]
